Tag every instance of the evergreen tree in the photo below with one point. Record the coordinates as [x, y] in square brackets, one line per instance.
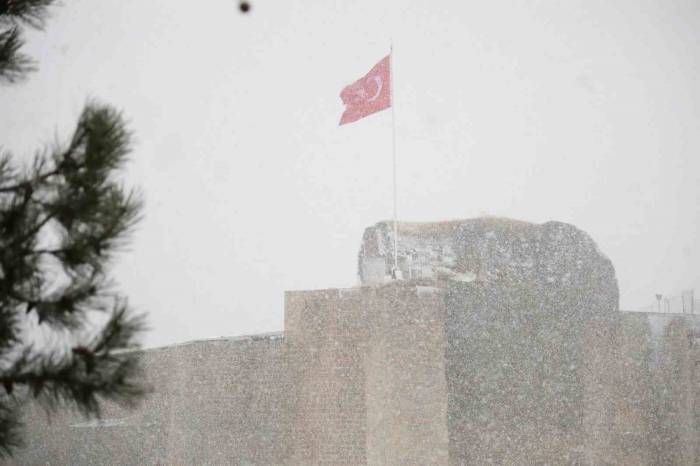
[62, 218]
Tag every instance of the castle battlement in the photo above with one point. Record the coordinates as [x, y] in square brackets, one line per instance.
[510, 369]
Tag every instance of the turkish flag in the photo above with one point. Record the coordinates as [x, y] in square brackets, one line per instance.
[369, 94]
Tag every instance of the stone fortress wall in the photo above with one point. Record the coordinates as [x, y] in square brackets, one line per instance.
[525, 359]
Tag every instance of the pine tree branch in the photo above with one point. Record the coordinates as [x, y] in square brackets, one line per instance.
[33, 232]
[69, 197]
[7, 171]
[25, 184]
[65, 161]
[10, 428]
[106, 367]
[30, 12]
[68, 206]
[82, 381]
[14, 66]
[119, 331]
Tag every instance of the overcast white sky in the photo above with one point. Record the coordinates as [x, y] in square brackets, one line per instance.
[586, 112]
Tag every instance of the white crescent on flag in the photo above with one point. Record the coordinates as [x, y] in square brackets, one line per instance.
[378, 81]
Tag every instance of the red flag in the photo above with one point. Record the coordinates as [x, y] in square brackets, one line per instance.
[369, 94]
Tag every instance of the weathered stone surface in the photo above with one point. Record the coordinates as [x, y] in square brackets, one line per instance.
[537, 380]
[490, 250]
[508, 369]
[372, 375]
[404, 374]
[216, 402]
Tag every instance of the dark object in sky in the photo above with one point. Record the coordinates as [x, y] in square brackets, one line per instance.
[244, 6]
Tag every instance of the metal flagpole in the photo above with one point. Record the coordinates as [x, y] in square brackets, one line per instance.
[395, 272]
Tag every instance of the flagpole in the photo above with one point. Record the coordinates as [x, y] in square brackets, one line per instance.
[395, 272]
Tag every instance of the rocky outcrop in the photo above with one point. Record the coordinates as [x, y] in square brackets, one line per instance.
[553, 254]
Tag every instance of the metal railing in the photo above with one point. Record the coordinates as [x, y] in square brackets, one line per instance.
[685, 303]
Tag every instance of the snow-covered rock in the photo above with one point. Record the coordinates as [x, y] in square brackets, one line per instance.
[486, 249]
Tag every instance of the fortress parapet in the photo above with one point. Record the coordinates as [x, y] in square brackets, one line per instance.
[528, 361]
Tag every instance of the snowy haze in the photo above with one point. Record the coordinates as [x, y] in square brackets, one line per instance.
[585, 112]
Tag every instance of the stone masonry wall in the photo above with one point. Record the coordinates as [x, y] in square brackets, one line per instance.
[533, 381]
[217, 402]
[371, 382]
[410, 375]
[324, 336]
[504, 346]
